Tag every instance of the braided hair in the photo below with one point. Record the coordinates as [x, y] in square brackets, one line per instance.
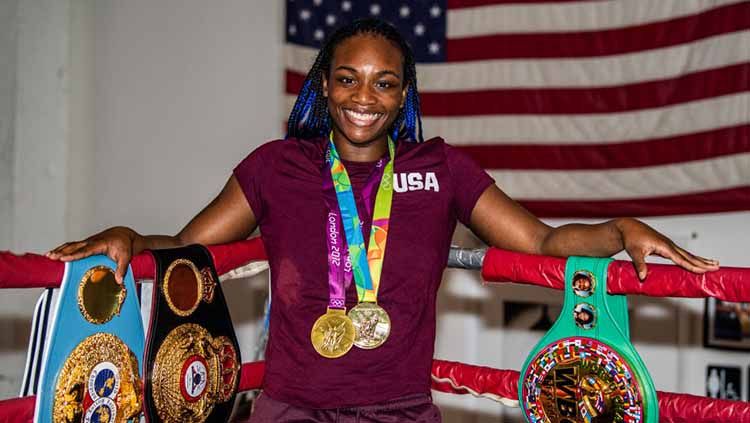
[310, 117]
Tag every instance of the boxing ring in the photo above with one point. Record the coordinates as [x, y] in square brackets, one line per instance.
[240, 259]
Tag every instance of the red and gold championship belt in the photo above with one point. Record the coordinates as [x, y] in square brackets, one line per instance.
[192, 357]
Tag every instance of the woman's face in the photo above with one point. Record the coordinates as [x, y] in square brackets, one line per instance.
[364, 88]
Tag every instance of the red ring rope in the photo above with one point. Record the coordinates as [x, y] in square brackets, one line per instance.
[727, 283]
[37, 271]
[465, 378]
[663, 280]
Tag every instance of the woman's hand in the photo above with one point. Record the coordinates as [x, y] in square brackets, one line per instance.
[640, 240]
[227, 218]
[117, 243]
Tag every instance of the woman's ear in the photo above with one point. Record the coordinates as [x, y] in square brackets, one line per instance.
[325, 85]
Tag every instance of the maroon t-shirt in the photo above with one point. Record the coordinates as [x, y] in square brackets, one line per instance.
[434, 186]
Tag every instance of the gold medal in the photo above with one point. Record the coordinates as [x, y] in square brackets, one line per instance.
[372, 324]
[332, 334]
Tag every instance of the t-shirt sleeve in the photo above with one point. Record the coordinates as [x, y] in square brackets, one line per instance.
[469, 182]
[251, 175]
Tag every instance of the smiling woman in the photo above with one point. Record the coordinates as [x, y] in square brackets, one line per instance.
[368, 88]
[354, 161]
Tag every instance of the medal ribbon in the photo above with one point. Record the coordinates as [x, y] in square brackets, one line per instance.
[339, 265]
[366, 265]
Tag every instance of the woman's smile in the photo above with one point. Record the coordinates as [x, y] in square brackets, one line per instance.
[362, 119]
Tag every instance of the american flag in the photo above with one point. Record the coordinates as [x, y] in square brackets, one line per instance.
[578, 108]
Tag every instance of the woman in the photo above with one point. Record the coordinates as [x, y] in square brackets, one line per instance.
[357, 123]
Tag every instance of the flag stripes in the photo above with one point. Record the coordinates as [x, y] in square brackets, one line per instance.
[592, 108]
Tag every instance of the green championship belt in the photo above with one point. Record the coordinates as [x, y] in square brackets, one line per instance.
[585, 370]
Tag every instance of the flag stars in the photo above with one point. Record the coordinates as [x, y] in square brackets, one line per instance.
[419, 29]
[312, 21]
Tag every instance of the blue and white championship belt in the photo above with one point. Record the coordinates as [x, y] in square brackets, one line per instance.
[91, 371]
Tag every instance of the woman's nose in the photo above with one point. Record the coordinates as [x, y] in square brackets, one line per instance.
[363, 95]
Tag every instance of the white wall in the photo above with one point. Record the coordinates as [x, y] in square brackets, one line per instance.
[41, 124]
[8, 41]
[183, 91]
[81, 117]
[166, 97]
[8, 13]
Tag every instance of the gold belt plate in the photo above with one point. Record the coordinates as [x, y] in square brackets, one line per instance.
[193, 371]
[98, 382]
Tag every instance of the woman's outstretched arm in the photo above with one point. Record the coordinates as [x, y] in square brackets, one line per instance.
[227, 218]
[503, 223]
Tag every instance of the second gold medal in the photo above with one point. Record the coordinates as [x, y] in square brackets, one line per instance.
[332, 334]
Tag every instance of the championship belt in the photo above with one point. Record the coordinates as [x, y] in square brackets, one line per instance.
[192, 356]
[585, 369]
[91, 365]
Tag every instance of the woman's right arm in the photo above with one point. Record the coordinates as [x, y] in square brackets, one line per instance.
[227, 218]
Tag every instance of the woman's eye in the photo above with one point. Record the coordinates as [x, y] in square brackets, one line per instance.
[384, 84]
[346, 81]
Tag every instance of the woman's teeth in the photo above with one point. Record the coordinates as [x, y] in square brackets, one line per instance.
[361, 119]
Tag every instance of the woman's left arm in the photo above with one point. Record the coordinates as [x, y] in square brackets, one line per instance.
[503, 223]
